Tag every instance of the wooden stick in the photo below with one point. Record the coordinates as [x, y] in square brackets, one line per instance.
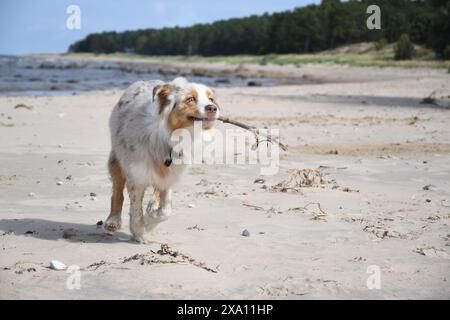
[252, 130]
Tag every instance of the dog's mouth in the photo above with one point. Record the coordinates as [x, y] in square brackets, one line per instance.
[194, 118]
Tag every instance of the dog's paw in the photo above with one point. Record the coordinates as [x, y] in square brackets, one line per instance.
[152, 219]
[113, 223]
[141, 239]
[137, 229]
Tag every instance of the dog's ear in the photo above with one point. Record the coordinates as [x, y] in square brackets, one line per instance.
[161, 93]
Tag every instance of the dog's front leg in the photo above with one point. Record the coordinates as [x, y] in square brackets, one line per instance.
[137, 225]
[161, 212]
[165, 209]
[153, 204]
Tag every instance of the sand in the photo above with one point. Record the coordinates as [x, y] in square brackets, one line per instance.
[384, 199]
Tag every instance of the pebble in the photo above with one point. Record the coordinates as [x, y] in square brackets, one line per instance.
[32, 194]
[245, 233]
[260, 180]
[59, 183]
[93, 194]
[93, 198]
[57, 265]
[191, 205]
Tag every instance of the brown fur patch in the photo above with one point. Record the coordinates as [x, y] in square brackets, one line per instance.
[194, 94]
[156, 198]
[118, 181]
[179, 117]
[161, 170]
[163, 96]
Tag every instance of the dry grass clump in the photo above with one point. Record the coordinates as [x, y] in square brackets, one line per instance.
[302, 178]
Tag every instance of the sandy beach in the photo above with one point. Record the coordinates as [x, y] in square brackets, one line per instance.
[383, 199]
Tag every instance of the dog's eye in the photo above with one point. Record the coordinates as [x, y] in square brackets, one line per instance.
[212, 100]
[190, 99]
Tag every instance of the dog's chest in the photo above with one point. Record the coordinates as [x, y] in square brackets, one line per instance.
[166, 176]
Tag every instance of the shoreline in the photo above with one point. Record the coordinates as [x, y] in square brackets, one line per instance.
[75, 74]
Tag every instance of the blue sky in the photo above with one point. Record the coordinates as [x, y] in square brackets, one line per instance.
[39, 26]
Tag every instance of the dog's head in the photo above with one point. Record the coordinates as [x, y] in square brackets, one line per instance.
[181, 103]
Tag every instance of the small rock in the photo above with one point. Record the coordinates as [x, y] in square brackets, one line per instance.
[32, 194]
[245, 233]
[60, 145]
[59, 183]
[252, 83]
[57, 265]
[29, 232]
[69, 177]
[260, 180]
[93, 198]
[428, 200]
[427, 187]
[92, 194]
[191, 205]
[99, 223]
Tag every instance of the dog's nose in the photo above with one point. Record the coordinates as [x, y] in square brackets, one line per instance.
[210, 108]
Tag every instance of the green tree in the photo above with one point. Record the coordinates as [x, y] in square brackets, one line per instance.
[404, 49]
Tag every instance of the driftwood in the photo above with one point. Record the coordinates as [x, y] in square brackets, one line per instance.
[253, 130]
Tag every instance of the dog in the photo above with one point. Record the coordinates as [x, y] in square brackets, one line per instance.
[141, 125]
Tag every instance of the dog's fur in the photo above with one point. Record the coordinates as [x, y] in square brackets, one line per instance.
[141, 125]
